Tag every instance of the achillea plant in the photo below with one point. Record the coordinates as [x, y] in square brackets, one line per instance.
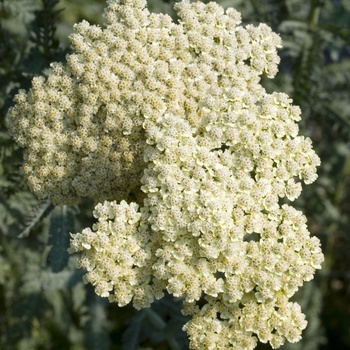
[167, 127]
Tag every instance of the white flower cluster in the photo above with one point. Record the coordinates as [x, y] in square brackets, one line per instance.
[173, 117]
[117, 255]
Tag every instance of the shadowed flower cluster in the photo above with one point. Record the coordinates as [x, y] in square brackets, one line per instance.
[167, 127]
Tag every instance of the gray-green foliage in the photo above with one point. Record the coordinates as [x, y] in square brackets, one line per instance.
[43, 302]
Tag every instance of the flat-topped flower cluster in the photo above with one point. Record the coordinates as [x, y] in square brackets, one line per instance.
[167, 127]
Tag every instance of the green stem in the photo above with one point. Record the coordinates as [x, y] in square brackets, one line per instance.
[255, 6]
[340, 189]
[339, 192]
[160, 324]
[314, 14]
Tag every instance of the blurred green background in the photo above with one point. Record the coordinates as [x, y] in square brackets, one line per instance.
[43, 302]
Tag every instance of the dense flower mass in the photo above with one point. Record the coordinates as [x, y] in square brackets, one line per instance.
[167, 127]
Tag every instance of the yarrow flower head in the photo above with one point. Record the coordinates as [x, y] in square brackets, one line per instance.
[167, 127]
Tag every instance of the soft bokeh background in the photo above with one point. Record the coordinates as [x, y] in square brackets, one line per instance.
[43, 302]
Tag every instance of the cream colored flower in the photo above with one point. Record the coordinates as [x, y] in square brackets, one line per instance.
[167, 127]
